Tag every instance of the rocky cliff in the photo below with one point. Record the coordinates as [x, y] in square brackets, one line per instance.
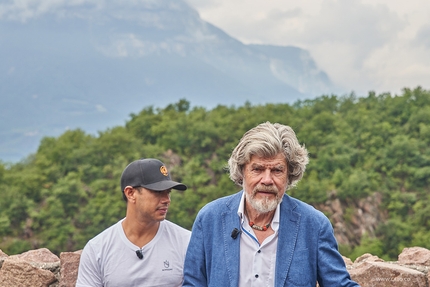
[42, 268]
[360, 217]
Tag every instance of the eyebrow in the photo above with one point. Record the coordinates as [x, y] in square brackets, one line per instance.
[278, 166]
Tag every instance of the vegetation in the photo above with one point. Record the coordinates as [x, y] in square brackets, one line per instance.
[68, 191]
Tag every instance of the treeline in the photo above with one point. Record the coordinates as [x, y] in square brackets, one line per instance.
[68, 191]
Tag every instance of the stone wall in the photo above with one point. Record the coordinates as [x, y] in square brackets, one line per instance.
[39, 268]
[42, 268]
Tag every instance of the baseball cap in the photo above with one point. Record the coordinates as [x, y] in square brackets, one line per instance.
[149, 173]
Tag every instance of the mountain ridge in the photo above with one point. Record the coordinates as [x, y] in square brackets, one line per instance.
[89, 66]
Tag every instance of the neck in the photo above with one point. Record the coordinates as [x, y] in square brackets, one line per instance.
[139, 233]
[260, 219]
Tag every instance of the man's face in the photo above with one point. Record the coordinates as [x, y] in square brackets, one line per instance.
[265, 181]
[152, 205]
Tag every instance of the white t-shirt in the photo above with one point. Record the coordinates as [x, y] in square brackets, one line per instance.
[110, 259]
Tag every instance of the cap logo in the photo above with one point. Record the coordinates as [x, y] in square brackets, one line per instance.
[163, 170]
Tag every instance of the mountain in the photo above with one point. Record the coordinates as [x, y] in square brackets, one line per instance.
[89, 64]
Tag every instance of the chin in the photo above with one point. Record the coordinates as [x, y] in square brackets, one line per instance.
[264, 206]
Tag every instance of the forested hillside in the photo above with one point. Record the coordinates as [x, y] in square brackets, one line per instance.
[68, 191]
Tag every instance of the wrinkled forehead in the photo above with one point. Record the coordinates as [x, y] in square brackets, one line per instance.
[277, 161]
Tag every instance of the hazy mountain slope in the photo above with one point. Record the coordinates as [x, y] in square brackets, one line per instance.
[90, 64]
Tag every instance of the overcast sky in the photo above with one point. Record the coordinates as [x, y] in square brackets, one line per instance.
[364, 45]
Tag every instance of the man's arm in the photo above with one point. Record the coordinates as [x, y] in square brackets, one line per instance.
[89, 274]
[195, 263]
[331, 266]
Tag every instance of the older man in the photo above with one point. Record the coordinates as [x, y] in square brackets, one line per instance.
[260, 236]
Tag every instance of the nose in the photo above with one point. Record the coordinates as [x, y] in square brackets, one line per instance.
[267, 177]
[165, 196]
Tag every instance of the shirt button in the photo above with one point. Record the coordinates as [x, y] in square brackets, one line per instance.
[259, 251]
[256, 275]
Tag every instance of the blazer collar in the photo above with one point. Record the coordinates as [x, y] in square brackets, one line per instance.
[287, 238]
[230, 221]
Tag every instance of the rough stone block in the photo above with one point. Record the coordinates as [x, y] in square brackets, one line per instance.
[16, 272]
[69, 268]
[415, 256]
[383, 274]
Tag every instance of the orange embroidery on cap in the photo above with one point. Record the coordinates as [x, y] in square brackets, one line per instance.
[163, 170]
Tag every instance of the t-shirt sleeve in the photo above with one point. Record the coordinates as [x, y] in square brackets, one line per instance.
[89, 274]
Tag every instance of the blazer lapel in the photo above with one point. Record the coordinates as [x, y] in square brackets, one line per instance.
[287, 237]
[230, 221]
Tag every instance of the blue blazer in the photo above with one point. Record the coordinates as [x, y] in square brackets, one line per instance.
[306, 253]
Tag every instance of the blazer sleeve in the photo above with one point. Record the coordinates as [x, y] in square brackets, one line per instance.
[331, 266]
[194, 267]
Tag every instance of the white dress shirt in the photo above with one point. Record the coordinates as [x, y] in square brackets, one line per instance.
[257, 262]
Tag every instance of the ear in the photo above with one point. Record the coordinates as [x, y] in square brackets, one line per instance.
[129, 192]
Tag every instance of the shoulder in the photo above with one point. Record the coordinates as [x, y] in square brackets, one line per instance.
[305, 210]
[105, 236]
[175, 231]
[173, 227]
[94, 250]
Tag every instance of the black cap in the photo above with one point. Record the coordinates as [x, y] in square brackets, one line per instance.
[149, 173]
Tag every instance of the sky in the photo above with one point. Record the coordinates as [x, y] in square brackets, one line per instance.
[363, 45]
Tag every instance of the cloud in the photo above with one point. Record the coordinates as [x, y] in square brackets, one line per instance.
[11, 70]
[205, 5]
[360, 26]
[344, 38]
[32, 133]
[363, 45]
[423, 37]
[24, 10]
[281, 15]
[100, 108]
[356, 28]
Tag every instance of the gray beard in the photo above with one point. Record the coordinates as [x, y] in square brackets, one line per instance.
[264, 205]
